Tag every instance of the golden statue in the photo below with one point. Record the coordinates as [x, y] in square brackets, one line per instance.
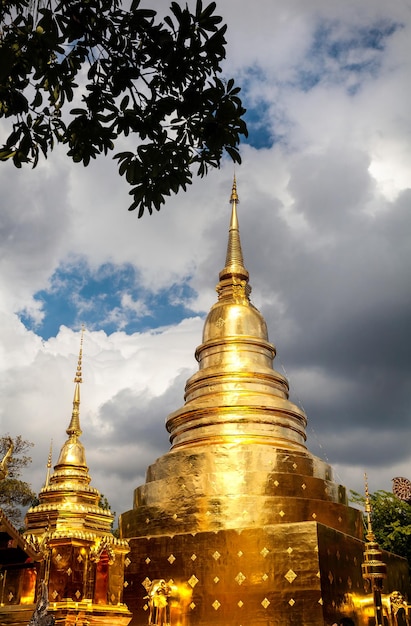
[4, 463]
[159, 612]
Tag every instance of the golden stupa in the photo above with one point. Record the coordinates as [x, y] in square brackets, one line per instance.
[239, 524]
[82, 562]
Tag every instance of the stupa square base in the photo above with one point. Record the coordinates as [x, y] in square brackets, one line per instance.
[280, 575]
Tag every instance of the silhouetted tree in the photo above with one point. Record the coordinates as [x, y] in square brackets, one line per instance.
[128, 72]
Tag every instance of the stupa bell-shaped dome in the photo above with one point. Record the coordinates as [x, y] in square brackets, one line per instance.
[236, 396]
[72, 451]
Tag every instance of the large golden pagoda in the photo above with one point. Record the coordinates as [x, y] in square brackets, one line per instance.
[239, 524]
[83, 563]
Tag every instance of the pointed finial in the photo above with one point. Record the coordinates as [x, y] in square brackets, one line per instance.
[368, 510]
[74, 427]
[49, 459]
[234, 194]
[78, 378]
[234, 263]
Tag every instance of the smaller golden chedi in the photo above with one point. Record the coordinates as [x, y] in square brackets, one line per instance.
[83, 563]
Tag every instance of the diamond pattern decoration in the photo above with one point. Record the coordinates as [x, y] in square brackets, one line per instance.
[193, 581]
[281, 513]
[276, 483]
[58, 558]
[318, 574]
[193, 557]
[192, 605]
[175, 516]
[289, 550]
[264, 552]
[314, 516]
[171, 559]
[78, 594]
[266, 602]
[290, 576]
[320, 601]
[240, 578]
[240, 603]
[330, 577]
[125, 584]
[216, 555]
[146, 583]
[127, 562]
[240, 553]
[216, 579]
[148, 560]
[147, 520]
[10, 596]
[216, 605]
[304, 486]
[295, 465]
[55, 594]
[291, 601]
[145, 607]
[79, 558]
[69, 571]
[264, 577]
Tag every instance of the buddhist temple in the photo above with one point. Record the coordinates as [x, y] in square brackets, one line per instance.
[19, 567]
[82, 562]
[239, 524]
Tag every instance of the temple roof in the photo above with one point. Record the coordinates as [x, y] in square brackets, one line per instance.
[14, 548]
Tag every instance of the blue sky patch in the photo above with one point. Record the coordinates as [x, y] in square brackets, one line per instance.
[336, 54]
[259, 128]
[258, 115]
[110, 298]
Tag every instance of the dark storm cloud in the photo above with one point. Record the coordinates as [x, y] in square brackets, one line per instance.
[139, 418]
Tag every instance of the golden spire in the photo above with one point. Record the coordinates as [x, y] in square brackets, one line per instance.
[234, 264]
[49, 460]
[74, 427]
[370, 533]
[72, 452]
[374, 570]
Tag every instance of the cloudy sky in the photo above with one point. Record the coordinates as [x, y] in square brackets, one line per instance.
[325, 218]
